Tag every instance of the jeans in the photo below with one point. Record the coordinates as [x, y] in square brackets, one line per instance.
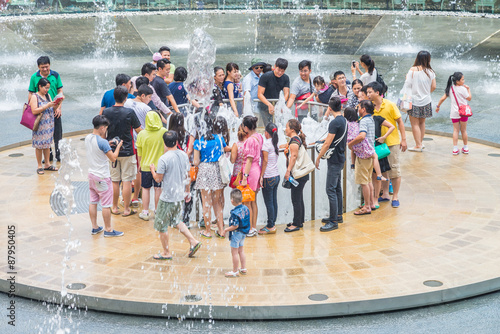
[298, 201]
[270, 193]
[334, 190]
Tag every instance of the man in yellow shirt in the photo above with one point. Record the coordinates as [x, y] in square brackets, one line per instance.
[390, 112]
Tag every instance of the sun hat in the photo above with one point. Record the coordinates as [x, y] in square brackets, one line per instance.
[256, 62]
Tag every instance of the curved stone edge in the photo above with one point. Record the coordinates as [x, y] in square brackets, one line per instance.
[219, 312]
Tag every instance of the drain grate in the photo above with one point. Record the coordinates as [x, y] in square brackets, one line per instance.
[318, 297]
[428, 139]
[496, 155]
[433, 283]
[76, 286]
[81, 194]
[191, 298]
[16, 155]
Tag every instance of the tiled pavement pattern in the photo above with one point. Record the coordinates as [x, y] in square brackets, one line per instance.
[447, 229]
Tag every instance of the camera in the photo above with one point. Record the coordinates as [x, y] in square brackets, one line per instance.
[116, 140]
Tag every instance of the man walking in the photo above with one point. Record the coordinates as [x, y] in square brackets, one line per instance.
[56, 88]
[334, 149]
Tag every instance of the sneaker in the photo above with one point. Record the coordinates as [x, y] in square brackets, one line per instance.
[134, 203]
[456, 151]
[465, 150]
[97, 230]
[144, 216]
[113, 233]
[252, 233]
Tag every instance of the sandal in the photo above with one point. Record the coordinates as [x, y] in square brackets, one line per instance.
[288, 229]
[267, 230]
[217, 234]
[203, 235]
[243, 271]
[40, 171]
[362, 212]
[194, 249]
[232, 274]
[51, 168]
[161, 257]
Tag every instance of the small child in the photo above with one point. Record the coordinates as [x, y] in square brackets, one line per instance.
[322, 93]
[239, 226]
[362, 150]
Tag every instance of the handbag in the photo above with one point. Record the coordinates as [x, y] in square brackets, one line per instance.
[286, 184]
[303, 165]
[319, 144]
[193, 173]
[382, 151]
[30, 120]
[405, 101]
[224, 166]
[248, 193]
[235, 180]
[464, 110]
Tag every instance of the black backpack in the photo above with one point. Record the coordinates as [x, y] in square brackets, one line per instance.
[380, 80]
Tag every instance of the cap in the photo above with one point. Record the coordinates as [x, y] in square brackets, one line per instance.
[256, 62]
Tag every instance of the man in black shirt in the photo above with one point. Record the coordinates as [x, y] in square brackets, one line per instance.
[270, 86]
[334, 149]
[158, 83]
[121, 122]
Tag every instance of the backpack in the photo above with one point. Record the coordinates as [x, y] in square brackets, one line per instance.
[380, 80]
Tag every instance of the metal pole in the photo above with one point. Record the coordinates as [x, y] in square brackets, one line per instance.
[313, 187]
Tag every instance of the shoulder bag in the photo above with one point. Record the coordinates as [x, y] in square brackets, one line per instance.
[319, 144]
[464, 110]
[30, 120]
[224, 165]
[303, 165]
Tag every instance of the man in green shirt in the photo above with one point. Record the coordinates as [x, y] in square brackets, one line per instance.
[56, 86]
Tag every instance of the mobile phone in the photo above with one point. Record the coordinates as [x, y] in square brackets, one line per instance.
[354, 64]
[58, 100]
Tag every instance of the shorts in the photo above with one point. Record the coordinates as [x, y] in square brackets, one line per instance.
[167, 214]
[393, 159]
[101, 190]
[123, 169]
[237, 239]
[421, 112]
[147, 180]
[462, 119]
[363, 171]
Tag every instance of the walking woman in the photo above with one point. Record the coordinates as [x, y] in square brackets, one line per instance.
[231, 91]
[460, 95]
[297, 138]
[270, 177]
[207, 151]
[422, 81]
[41, 103]
[251, 170]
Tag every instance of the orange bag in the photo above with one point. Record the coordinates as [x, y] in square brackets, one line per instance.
[193, 173]
[248, 193]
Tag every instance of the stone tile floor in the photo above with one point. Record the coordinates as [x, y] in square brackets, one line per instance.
[447, 229]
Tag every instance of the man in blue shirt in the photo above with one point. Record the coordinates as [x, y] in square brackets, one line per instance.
[251, 81]
[108, 99]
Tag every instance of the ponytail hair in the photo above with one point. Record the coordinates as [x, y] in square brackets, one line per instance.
[250, 122]
[368, 61]
[452, 80]
[272, 130]
[294, 125]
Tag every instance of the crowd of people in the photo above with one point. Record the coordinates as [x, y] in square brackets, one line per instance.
[141, 140]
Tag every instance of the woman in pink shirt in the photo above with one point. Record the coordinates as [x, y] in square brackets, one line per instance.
[251, 171]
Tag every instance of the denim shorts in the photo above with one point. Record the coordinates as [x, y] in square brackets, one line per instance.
[237, 239]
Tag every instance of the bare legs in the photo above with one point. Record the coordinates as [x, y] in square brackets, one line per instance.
[418, 130]
[137, 186]
[106, 215]
[46, 154]
[215, 199]
[127, 194]
[238, 257]
[254, 212]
